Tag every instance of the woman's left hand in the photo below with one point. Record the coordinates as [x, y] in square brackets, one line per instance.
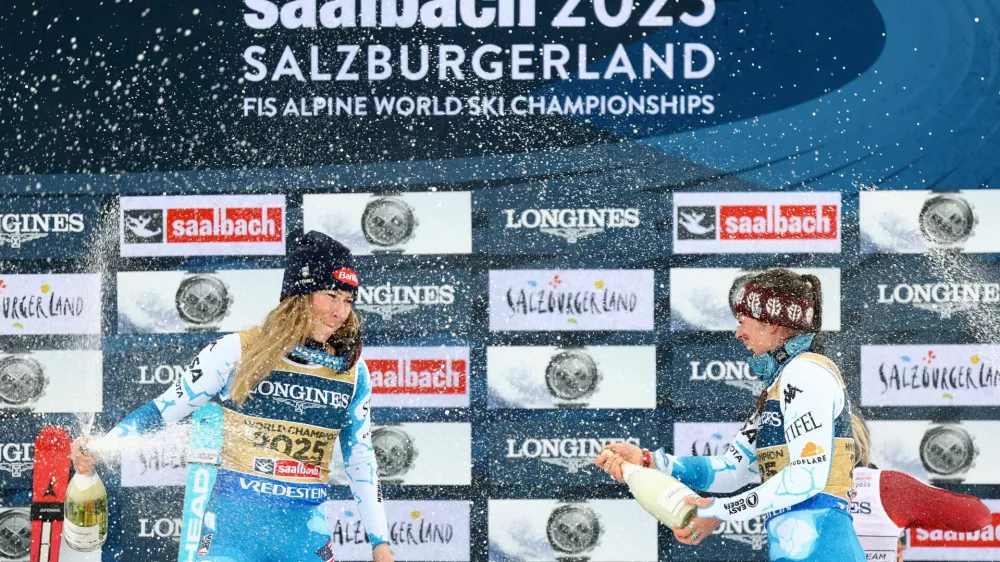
[699, 527]
[382, 553]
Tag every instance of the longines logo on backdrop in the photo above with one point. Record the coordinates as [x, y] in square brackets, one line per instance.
[162, 528]
[944, 299]
[571, 224]
[143, 226]
[391, 300]
[733, 373]
[16, 229]
[160, 374]
[751, 532]
[569, 453]
[17, 459]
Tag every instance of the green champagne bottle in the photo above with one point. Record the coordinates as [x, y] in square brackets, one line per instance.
[86, 525]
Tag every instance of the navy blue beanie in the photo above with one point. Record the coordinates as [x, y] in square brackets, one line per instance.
[318, 263]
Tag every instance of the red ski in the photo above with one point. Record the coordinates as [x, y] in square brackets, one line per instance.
[51, 477]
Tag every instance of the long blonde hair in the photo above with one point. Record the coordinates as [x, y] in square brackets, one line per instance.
[862, 441]
[287, 325]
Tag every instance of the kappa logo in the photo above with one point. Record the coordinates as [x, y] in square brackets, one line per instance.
[696, 223]
[142, 226]
[790, 393]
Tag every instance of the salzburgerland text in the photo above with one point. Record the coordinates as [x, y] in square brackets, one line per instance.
[899, 377]
[571, 303]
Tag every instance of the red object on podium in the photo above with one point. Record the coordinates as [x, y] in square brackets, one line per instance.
[51, 478]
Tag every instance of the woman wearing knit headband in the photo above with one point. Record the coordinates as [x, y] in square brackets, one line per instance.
[797, 444]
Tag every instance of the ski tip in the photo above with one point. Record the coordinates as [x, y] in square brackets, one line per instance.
[53, 434]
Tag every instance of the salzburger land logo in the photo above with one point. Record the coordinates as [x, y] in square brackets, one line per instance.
[571, 224]
[551, 298]
[569, 453]
[417, 529]
[160, 456]
[17, 459]
[44, 303]
[733, 373]
[944, 299]
[18, 228]
[714, 446]
[301, 397]
[391, 300]
[913, 374]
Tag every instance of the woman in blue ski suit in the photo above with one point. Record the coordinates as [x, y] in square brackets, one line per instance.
[798, 443]
[289, 389]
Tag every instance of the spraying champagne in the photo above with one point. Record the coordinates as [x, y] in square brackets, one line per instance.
[660, 494]
[86, 512]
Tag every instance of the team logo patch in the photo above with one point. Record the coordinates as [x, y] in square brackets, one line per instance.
[206, 543]
[348, 276]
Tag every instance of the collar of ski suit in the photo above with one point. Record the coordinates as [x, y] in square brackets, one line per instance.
[769, 365]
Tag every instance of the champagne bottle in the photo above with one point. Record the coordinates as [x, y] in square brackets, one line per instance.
[86, 525]
[660, 494]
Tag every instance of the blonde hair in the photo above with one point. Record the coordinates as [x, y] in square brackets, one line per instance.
[289, 324]
[862, 441]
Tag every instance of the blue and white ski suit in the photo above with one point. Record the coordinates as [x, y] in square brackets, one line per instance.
[801, 447]
[277, 450]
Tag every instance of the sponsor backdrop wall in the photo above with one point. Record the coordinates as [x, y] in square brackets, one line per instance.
[549, 201]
